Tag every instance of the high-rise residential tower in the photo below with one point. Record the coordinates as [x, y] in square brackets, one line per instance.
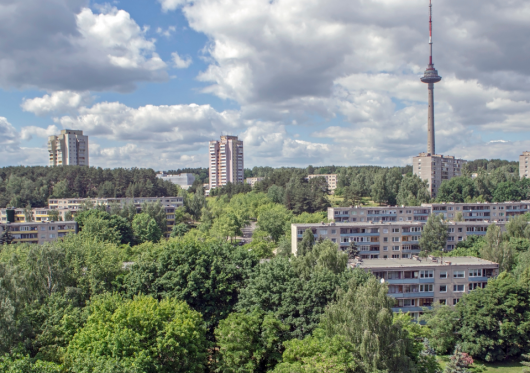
[70, 148]
[523, 165]
[226, 161]
[435, 168]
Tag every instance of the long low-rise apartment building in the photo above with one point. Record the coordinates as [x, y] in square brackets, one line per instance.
[77, 203]
[384, 240]
[38, 233]
[490, 211]
[418, 283]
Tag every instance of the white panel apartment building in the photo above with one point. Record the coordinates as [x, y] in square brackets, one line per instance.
[70, 148]
[331, 179]
[480, 211]
[226, 161]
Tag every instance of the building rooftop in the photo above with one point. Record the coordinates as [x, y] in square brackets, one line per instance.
[390, 223]
[419, 262]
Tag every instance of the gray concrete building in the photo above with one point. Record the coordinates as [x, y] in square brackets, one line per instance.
[480, 211]
[416, 283]
[384, 240]
[39, 232]
[523, 165]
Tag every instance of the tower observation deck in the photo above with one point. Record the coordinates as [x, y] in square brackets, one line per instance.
[430, 77]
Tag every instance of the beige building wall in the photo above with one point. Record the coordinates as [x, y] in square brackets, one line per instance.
[436, 169]
[69, 148]
[389, 240]
[523, 165]
[226, 161]
[331, 179]
[417, 283]
[39, 233]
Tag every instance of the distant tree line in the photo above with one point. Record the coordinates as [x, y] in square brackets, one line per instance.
[22, 186]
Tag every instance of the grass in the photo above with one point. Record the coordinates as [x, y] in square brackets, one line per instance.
[501, 367]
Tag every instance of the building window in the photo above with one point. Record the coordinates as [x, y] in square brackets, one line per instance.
[333, 240]
[443, 288]
[52, 235]
[426, 274]
[385, 239]
[395, 256]
[385, 248]
[395, 230]
[443, 274]
[333, 231]
[475, 273]
[323, 231]
[385, 230]
[395, 248]
[426, 288]
[459, 274]
[443, 302]
[459, 288]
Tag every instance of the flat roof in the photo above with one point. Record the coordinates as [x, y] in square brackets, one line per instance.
[390, 223]
[421, 262]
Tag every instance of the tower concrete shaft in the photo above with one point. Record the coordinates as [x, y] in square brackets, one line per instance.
[430, 124]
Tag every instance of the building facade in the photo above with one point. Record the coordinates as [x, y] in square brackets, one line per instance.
[182, 180]
[226, 161]
[435, 169]
[417, 283]
[384, 240]
[253, 180]
[523, 165]
[480, 211]
[70, 148]
[331, 179]
[39, 233]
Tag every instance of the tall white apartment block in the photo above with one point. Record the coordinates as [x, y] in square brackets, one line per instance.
[70, 148]
[331, 179]
[523, 165]
[436, 168]
[226, 161]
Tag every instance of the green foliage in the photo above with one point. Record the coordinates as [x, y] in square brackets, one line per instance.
[100, 229]
[434, 235]
[494, 322]
[250, 342]
[324, 255]
[318, 353]
[496, 249]
[179, 230]
[308, 241]
[208, 276]
[412, 191]
[35, 185]
[146, 229]
[363, 316]
[157, 212]
[442, 324]
[18, 363]
[298, 299]
[272, 219]
[141, 334]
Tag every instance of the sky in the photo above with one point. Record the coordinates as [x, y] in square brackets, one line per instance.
[301, 82]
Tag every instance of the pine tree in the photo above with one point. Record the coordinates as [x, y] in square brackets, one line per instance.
[306, 245]
[6, 238]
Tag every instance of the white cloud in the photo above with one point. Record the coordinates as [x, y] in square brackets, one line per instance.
[8, 134]
[160, 126]
[57, 102]
[167, 33]
[180, 63]
[27, 132]
[60, 45]
[168, 5]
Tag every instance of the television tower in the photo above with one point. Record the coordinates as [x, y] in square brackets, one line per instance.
[430, 77]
